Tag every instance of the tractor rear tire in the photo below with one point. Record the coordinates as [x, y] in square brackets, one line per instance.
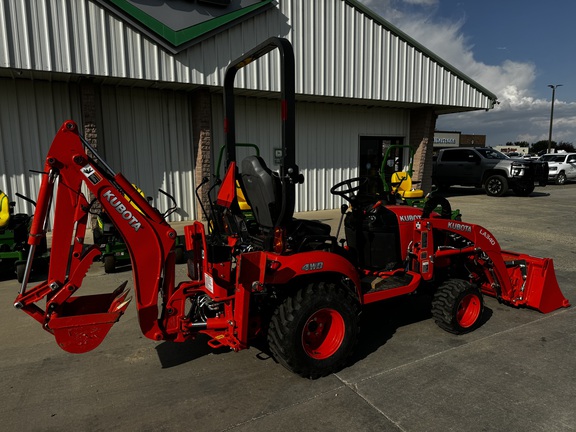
[457, 306]
[496, 186]
[313, 332]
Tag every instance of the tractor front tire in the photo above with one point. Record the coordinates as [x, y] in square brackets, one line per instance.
[457, 306]
[313, 332]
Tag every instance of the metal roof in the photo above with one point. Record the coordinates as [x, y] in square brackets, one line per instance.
[344, 52]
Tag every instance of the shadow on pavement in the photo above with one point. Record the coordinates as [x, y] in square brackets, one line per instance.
[173, 354]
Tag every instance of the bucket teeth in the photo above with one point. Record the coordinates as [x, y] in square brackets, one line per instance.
[119, 307]
[119, 303]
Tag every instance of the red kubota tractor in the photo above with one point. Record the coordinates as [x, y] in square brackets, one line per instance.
[286, 280]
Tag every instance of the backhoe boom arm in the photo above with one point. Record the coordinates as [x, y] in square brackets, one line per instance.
[150, 241]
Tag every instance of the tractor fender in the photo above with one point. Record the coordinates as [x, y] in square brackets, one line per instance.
[316, 264]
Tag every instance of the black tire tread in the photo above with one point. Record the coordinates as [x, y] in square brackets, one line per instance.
[283, 334]
[504, 182]
[445, 301]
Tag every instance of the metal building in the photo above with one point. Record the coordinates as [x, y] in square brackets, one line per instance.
[144, 81]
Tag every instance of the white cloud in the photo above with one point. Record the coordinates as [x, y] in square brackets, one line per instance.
[519, 116]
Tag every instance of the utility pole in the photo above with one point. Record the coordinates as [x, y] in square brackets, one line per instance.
[553, 87]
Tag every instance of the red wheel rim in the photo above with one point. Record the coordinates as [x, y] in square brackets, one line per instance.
[323, 334]
[468, 311]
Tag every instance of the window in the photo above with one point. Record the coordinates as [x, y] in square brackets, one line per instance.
[460, 155]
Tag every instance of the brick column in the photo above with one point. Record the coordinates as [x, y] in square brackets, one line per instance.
[422, 126]
[90, 103]
[202, 138]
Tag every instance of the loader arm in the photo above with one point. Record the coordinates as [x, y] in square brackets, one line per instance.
[513, 278]
[80, 323]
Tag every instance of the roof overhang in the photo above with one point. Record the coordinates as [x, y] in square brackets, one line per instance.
[178, 24]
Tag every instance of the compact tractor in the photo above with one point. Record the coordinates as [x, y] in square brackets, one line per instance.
[286, 281]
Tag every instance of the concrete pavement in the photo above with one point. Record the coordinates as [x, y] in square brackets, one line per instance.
[515, 373]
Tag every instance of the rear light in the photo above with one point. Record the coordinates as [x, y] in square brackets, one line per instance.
[279, 240]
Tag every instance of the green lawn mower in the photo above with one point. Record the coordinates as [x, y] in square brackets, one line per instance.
[14, 246]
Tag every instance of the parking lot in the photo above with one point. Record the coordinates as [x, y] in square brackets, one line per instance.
[515, 373]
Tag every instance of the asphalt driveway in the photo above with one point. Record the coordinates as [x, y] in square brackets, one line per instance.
[515, 373]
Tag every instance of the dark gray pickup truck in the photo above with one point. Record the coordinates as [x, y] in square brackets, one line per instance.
[488, 168]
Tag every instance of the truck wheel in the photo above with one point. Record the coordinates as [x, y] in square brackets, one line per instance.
[109, 264]
[561, 178]
[496, 186]
[313, 332]
[523, 189]
[457, 306]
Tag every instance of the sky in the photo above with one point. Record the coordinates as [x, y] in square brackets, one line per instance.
[513, 48]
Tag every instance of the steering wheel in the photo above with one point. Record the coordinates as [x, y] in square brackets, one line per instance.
[352, 185]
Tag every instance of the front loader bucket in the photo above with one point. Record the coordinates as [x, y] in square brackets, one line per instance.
[534, 282]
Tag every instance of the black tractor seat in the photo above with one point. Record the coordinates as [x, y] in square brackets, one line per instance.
[264, 192]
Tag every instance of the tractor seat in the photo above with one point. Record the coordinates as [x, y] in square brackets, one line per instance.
[263, 190]
[4, 210]
[402, 183]
[242, 203]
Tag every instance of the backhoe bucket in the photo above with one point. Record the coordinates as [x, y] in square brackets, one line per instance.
[82, 323]
[534, 282]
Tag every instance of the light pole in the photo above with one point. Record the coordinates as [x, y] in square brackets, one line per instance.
[553, 87]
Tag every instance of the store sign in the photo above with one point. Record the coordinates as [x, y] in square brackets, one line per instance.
[177, 24]
[446, 139]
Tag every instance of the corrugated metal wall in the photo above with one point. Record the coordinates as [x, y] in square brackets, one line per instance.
[341, 51]
[327, 140]
[147, 135]
[31, 113]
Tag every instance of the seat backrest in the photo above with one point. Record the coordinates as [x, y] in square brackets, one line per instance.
[262, 189]
[401, 181]
[4, 210]
[402, 185]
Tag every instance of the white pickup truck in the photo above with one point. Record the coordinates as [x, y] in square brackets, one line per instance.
[562, 166]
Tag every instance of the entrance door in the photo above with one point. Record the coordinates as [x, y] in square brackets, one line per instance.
[372, 151]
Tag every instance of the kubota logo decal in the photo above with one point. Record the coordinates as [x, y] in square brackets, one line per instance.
[459, 227]
[410, 218]
[121, 208]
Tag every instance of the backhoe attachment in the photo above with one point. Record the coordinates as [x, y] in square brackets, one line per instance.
[79, 324]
